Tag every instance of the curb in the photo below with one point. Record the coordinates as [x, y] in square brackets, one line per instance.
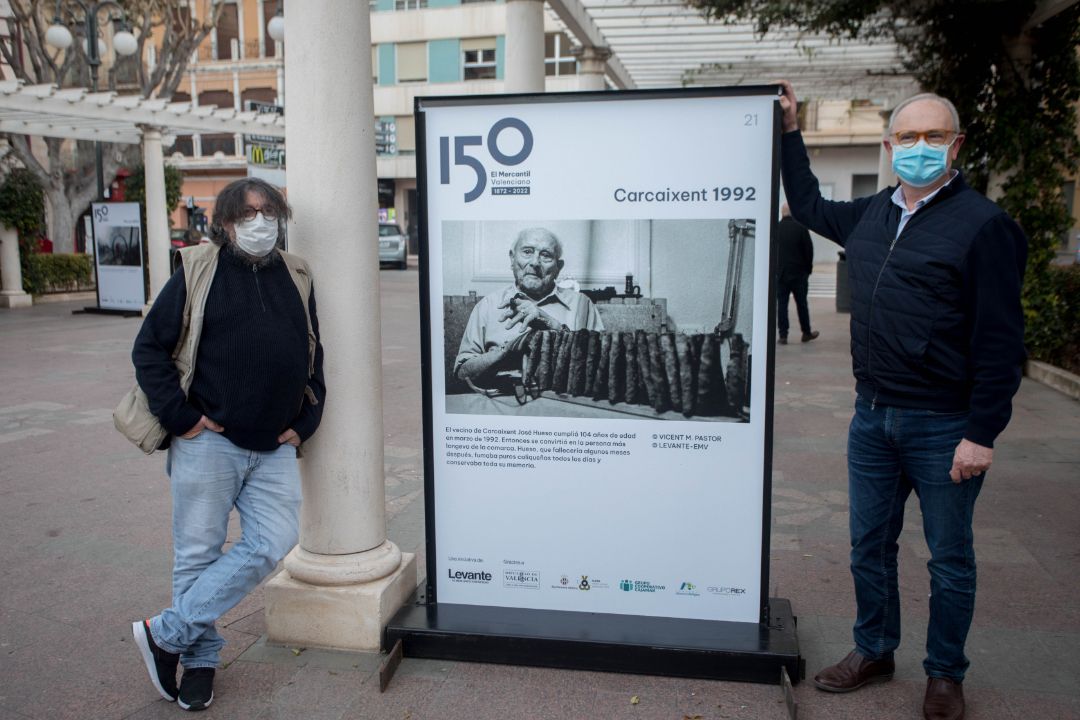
[80, 296]
[1063, 381]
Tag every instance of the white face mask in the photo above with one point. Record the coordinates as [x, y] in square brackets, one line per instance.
[257, 237]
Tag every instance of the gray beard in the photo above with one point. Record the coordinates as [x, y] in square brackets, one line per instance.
[256, 262]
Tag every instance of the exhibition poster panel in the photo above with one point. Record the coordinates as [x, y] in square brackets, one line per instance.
[118, 256]
[598, 323]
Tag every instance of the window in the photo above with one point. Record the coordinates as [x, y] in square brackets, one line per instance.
[258, 94]
[557, 57]
[409, 4]
[412, 62]
[184, 146]
[228, 29]
[218, 142]
[269, 11]
[220, 98]
[479, 58]
[406, 134]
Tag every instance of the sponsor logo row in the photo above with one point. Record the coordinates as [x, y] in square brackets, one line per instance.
[530, 580]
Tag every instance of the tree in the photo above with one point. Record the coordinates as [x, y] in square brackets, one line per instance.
[1015, 79]
[164, 25]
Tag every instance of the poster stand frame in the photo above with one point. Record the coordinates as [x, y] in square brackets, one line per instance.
[710, 649]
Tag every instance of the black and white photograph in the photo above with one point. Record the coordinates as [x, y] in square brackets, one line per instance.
[121, 246]
[629, 319]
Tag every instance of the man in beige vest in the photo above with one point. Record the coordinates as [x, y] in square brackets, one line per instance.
[256, 394]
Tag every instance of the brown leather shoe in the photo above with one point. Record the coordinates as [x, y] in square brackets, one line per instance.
[944, 699]
[853, 672]
[813, 334]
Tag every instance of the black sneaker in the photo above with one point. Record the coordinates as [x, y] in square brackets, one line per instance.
[159, 663]
[196, 689]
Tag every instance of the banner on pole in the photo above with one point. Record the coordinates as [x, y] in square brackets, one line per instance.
[118, 256]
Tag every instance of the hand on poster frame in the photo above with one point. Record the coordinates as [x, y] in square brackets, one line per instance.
[789, 121]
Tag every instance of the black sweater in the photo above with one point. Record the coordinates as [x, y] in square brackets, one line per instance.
[251, 367]
[936, 321]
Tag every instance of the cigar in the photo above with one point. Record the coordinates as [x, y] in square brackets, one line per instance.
[592, 359]
[644, 368]
[633, 384]
[616, 370]
[579, 352]
[671, 370]
[543, 373]
[661, 398]
[535, 346]
[603, 363]
[684, 351]
[562, 362]
[709, 366]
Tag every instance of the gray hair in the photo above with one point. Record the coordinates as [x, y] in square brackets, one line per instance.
[926, 96]
[543, 232]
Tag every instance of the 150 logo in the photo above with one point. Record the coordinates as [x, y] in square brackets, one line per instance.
[462, 142]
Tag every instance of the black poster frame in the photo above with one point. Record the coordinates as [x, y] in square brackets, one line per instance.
[458, 631]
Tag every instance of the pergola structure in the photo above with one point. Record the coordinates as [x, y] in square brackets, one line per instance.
[76, 113]
[665, 43]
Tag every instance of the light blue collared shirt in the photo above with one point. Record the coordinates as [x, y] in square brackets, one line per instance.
[905, 214]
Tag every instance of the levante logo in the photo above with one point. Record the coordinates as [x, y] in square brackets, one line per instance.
[504, 182]
[469, 576]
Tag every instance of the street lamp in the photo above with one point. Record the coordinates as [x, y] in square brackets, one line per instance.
[276, 26]
[124, 43]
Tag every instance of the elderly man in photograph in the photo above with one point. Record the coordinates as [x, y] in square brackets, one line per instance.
[494, 336]
[937, 343]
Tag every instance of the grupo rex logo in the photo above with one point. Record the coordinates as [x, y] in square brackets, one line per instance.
[461, 157]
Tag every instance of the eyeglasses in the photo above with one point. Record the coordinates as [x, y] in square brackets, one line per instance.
[933, 138]
[250, 212]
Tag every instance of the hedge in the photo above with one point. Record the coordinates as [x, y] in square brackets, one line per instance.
[58, 272]
[1064, 350]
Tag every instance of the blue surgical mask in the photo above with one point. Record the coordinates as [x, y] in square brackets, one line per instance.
[921, 164]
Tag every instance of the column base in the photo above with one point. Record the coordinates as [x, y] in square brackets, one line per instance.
[340, 617]
[16, 300]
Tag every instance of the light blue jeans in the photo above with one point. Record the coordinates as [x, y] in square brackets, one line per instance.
[209, 476]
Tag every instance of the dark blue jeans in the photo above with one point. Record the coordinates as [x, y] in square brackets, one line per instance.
[892, 451]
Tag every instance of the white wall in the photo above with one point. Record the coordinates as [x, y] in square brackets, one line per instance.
[834, 167]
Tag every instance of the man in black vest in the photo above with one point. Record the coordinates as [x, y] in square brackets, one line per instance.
[257, 394]
[937, 346]
[793, 268]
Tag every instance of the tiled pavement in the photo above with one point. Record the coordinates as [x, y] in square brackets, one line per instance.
[85, 548]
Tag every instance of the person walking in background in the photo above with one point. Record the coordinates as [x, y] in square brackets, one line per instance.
[794, 264]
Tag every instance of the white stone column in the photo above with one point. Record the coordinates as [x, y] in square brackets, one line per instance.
[344, 581]
[157, 213]
[12, 295]
[196, 139]
[885, 175]
[524, 46]
[592, 66]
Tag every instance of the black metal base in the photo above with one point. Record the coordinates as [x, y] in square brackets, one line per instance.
[745, 652]
[92, 310]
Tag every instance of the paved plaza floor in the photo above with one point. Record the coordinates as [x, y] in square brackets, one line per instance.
[85, 549]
